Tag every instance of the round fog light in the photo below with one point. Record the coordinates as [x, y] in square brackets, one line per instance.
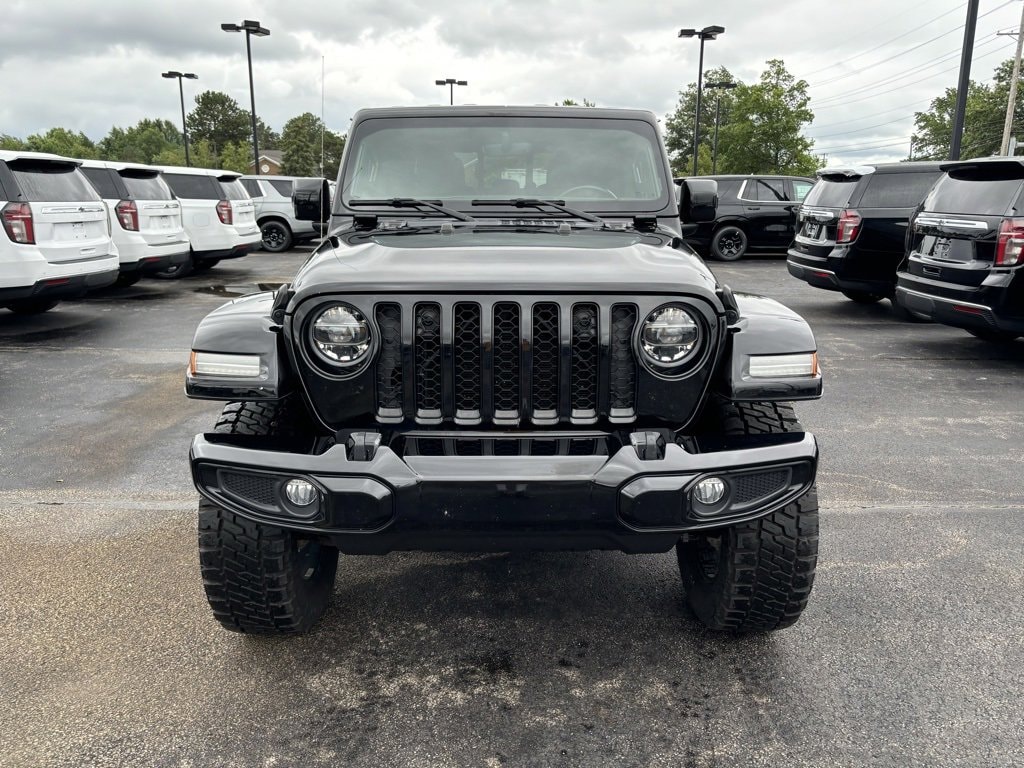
[710, 490]
[300, 493]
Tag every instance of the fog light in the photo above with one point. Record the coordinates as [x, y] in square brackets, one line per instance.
[710, 490]
[301, 493]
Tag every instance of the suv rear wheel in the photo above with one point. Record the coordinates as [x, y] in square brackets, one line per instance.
[755, 576]
[729, 243]
[993, 336]
[863, 297]
[260, 579]
[32, 306]
[277, 237]
[176, 271]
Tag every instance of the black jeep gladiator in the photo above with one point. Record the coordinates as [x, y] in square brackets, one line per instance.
[504, 343]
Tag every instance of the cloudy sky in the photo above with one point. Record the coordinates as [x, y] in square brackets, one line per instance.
[90, 64]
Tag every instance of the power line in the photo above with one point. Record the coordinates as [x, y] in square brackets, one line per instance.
[873, 114]
[873, 145]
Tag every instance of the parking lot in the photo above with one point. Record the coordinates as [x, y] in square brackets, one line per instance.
[910, 652]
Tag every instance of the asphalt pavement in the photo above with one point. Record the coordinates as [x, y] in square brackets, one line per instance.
[910, 652]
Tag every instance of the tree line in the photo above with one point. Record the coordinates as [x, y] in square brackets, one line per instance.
[219, 132]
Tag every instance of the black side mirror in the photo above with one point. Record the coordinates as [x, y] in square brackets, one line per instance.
[698, 201]
[311, 199]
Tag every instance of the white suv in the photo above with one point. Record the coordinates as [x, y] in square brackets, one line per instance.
[56, 242]
[275, 213]
[145, 218]
[218, 215]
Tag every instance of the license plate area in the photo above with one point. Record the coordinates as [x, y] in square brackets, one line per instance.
[949, 249]
[813, 229]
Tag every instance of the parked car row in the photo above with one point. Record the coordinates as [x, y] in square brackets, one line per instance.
[942, 241]
[78, 225]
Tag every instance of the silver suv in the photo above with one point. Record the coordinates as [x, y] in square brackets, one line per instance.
[274, 212]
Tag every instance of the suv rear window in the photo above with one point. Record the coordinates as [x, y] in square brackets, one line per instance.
[831, 192]
[146, 186]
[233, 189]
[897, 190]
[47, 182]
[283, 187]
[982, 190]
[100, 179]
[192, 187]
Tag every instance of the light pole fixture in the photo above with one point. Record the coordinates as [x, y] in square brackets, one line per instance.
[250, 28]
[708, 33]
[181, 92]
[723, 85]
[451, 82]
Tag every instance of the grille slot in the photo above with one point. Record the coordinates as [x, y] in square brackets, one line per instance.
[389, 363]
[428, 363]
[506, 362]
[586, 357]
[755, 486]
[545, 363]
[622, 379]
[467, 341]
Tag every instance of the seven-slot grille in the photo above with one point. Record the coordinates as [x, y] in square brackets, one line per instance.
[505, 362]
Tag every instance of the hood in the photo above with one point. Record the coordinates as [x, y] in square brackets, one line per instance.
[598, 262]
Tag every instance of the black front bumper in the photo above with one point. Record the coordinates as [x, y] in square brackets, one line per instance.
[835, 272]
[60, 287]
[499, 503]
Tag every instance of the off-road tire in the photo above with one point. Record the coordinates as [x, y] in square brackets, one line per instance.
[32, 306]
[261, 579]
[755, 576]
[863, 297]
[996, 337]
[729, 243]
[277, 236]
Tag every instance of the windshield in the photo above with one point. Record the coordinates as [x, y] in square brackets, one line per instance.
[607, 164]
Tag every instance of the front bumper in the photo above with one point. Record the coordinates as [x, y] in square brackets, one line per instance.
[499, 503]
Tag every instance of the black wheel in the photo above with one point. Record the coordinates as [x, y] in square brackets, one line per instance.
[205, 265]
[993, 335]
[125, 279]
[176, 271]
[863, 297]
[260, 579]
[277, 236]
[32, 306]
[729, 243]
[755, 576]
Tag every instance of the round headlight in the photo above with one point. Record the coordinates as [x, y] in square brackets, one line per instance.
[341, 335]
[669, 336]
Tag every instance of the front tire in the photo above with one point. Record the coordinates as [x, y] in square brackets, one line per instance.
[729, 243]
[261, 579]
[755, 576]
[277, 237]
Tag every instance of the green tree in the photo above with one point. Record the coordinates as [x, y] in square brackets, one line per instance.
[679, 124]
[765, 129]
[574, 103]
[140, 143]
[269, 138]
[200, 153]
[237, 157]
[300, 143]
[61, 141]
[11, 142]
[219, 120]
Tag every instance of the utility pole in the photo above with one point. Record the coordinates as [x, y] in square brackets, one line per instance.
[965, 79]
[1011, 103]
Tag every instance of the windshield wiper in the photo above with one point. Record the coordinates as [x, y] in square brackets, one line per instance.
[534, 202]
[411, 202]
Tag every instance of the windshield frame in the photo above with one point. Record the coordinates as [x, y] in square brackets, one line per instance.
[664, 205]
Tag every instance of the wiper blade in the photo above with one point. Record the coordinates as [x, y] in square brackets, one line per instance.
[411, 202]
[534, 202]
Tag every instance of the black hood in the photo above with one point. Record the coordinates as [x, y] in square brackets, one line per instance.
[621, 264]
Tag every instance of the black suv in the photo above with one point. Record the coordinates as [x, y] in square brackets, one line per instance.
[965, 264]
[755, 214]
[503, 343]
[852, 227]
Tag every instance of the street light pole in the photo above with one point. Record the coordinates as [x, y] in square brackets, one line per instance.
[250, 28]
[708, 33]
[718, 117]
[451, 82]
[1011, 102]
[965, 80]
[181, 92]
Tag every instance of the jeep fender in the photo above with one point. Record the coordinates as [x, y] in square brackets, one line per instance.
[765, 327]
[242, 327]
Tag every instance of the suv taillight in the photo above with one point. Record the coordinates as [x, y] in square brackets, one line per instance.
[848, 227]
[1010, 250]
[224, 211]
[128, 215]
[17, 218]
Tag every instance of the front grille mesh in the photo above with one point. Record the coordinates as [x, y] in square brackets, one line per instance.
[505, 363]
[255, 488]
[756, 486]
